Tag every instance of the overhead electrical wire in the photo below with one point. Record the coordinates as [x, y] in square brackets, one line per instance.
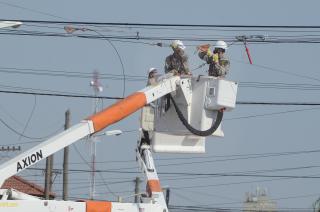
[120, 60]
[16, 88]
[58, 73]
[31, 10]
[154, 38]
[221, 29]
[221, 160]
[245, 84]
[240, 202]
[199, 208]
[58, 95]
[77, 182]
[5, 111]
[270, 114]
[30, 117]
[179, 178]
[101, 176]
[108, 97]
[270, 38]
[196, 38]
[280, 85]
[299, 38]
[130, 29]
[169, 25]
[233, 183]
[25, 136]
[201, 174]
[278, 103]
[225, 157]
[280, 71]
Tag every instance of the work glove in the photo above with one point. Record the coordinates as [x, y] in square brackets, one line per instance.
[215, 58]
[203, 48]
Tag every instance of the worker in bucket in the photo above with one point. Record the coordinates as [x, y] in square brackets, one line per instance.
[218, 61]
[152, 72]
[177, 63]
[147, 112]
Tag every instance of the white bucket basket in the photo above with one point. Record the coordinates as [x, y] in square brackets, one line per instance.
[199, 99]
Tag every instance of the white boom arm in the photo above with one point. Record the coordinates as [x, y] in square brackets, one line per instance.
[92, 124]
[154, 189]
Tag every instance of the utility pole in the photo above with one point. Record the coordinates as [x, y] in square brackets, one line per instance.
[137, 189]
[48, 177]
[51, 173]
[66, 160]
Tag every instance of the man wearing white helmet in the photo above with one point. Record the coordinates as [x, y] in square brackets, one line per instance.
[152, 76]
[148, 111]
[178, 61]
[219, 63]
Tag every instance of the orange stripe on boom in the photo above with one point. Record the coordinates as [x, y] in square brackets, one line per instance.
[118, 111]
[98, 206]
[153, 186]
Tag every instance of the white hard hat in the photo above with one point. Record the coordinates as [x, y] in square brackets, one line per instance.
[152, 70]
[178, 44]
[221, 44]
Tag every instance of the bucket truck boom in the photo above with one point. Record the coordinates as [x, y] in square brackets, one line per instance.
[92, 124]
[196, 112]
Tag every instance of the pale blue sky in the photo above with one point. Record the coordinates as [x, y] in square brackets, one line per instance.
[278, 133]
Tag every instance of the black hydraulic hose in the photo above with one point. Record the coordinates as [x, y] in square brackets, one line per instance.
[212, 129]
[167, 103]
[146, 137]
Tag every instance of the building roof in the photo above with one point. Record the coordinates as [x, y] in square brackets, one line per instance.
[25, 186]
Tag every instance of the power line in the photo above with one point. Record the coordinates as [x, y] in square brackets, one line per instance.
[271, 39]
[64, 73]
[202, 174]
[129, 28]
[58, 95]
[239, 202]
[230, 183]
[119, 57]
[169, 25]
[271, 114]
[121, 62]
[31, 10]
[59, 73]
[205, 208]
[37, 89]
[314, 38]
[10, 116]
[227, 157]
[280, 85]
[280, 71]
[108, 97]
[22, 135]
[278, 103]
[30, 117]
[267, 154]
[157, 38]
[87, 163]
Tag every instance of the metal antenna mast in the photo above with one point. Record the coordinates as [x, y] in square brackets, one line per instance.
[97, 88]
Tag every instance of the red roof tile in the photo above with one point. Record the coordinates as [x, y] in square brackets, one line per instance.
[24, 186]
